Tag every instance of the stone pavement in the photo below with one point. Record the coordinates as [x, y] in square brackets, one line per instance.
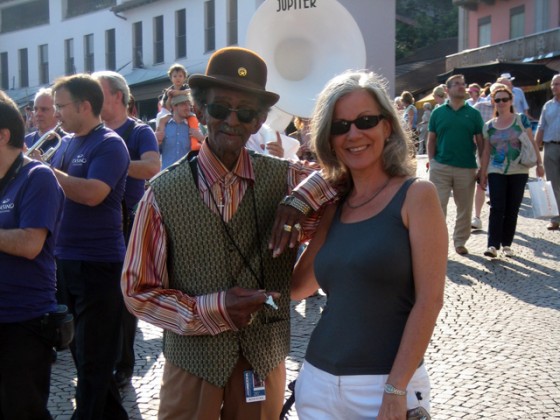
[495, 352]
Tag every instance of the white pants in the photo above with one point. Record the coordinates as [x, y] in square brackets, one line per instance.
[320, 395]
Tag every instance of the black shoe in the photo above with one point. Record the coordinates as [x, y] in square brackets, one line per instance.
[122, 378]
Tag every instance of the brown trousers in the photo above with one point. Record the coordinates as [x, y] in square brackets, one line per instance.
[185, 396]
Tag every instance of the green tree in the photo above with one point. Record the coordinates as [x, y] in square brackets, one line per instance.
[421, 22]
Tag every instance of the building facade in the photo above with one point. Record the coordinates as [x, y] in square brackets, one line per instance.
[508, 30]
[41, 40]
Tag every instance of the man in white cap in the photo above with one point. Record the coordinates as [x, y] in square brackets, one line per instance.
[520, 104]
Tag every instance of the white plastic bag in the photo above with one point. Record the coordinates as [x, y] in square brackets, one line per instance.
[542, 199]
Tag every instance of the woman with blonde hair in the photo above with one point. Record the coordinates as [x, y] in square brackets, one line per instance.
[379, 254]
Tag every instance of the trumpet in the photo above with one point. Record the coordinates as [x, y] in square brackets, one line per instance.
[47, 155]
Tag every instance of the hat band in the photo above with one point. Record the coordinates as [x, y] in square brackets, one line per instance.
[237, 80]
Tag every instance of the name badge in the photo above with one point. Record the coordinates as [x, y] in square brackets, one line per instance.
[254, 387]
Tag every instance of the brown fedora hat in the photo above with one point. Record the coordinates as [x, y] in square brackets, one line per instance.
[236, 68]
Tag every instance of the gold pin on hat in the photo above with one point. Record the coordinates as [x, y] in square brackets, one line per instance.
[242, 71]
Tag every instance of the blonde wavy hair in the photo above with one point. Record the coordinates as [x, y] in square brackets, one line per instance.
[398, 150]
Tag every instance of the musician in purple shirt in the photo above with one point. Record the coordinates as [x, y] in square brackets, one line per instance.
[30, 211]
[91, 166]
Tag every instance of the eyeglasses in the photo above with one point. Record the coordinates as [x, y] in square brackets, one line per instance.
[504, 100]
[59, 107]
[362, 123]
[221, 112]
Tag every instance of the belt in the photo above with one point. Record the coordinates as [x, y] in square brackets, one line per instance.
[553, 142]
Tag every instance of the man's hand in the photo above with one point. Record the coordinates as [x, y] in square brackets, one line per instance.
[275, 148]
[36, 154]
[241, 304]
[286, 229]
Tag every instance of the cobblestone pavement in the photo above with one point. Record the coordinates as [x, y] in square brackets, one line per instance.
[495, 352]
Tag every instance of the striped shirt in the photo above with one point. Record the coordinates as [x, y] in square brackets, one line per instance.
[145, 278]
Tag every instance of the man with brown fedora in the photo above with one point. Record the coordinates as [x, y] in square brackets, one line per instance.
[199, 265]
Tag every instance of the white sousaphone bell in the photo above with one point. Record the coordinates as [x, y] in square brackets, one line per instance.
[304, 48]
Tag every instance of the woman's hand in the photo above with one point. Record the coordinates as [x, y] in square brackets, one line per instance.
[540, 170]
[393, 407]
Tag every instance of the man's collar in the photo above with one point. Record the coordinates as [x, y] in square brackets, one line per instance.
[116, 123]
[214, 170]
[183, 121]
[448, 103]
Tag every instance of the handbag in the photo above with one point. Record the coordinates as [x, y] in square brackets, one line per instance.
[528, 155]
[542, 199]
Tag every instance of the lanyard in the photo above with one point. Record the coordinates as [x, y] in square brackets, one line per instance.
[260, 279]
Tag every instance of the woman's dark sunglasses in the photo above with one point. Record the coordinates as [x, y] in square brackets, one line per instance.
[504, 100]
[362, 123]
[221, 112]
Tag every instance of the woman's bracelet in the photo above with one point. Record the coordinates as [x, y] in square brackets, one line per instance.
[390, 389]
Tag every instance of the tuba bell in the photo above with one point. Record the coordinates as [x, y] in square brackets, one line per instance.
[47, 155]
[304, 48]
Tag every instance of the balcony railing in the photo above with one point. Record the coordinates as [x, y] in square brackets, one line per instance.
[528, 48]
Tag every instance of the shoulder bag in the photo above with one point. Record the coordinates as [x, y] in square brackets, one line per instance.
[528, 155]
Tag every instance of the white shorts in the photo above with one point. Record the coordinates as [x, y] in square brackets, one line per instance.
[320, 395]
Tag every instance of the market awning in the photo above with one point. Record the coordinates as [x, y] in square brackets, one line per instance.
[526, 74]
[145, 76]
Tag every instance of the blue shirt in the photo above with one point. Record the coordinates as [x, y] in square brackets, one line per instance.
[520, 104]
[414, 116]
[34, 199]
[549, 122]
[140, 140]
[176, 143]
[93, 233]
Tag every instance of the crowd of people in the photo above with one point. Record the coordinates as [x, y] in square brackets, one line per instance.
[195, 228]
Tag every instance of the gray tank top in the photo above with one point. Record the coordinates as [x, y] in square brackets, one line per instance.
[365, 268]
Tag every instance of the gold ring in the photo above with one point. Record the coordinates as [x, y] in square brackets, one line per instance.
[287, 228]
[297, 226]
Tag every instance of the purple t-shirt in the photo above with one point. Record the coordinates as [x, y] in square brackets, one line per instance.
[93, 233]
[34, 199]
[140, 140]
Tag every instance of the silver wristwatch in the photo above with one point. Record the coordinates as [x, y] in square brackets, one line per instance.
[296, 203]
[390, 389]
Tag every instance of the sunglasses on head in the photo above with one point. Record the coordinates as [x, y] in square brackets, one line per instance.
[362, 123]
[221, 112]
[504, 100]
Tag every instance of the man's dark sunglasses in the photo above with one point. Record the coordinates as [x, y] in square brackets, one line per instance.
[504, 100]
[221, 112]
[362, 123]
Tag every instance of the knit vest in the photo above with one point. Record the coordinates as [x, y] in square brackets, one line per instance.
[202, 259]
